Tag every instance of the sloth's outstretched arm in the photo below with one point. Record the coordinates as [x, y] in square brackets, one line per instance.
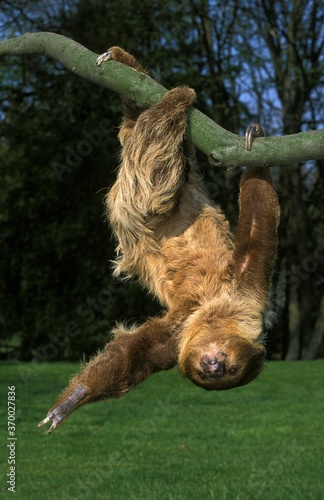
[256, 235]
[125, 362]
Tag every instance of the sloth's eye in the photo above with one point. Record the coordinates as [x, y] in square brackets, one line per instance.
[232, 370]
[201, 375]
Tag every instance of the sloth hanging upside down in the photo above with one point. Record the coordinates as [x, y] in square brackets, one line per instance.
[214, 287]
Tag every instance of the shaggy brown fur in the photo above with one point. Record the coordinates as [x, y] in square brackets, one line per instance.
[177, 242]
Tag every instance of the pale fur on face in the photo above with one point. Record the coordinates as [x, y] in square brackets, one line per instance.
[233, 341]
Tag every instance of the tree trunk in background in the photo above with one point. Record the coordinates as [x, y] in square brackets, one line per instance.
[294, 320]
[296, 71]
[313, 349]
[292, 241]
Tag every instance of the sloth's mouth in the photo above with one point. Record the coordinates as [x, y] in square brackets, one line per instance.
[215, 370]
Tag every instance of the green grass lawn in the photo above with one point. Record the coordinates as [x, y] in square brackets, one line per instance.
[168, 439]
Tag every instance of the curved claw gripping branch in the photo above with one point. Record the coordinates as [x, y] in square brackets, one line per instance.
[254, 130]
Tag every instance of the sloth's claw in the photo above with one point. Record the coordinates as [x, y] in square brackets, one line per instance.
[254, 130]
[63, 410]
[106, 56]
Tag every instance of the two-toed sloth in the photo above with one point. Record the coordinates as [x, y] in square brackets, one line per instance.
[214, 287]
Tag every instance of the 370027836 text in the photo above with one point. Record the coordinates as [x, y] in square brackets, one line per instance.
[11, 439]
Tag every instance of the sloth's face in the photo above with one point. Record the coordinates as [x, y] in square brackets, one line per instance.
[228, 361]
[215, 369]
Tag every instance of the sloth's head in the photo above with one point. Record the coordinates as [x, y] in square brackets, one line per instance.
[219, 355]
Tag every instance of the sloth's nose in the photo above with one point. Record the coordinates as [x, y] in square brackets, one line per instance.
[215, 367]
[211, 366]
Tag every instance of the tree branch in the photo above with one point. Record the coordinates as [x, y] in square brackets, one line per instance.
[222, 147]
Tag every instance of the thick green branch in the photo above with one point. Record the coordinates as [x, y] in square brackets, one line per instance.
[222, 147]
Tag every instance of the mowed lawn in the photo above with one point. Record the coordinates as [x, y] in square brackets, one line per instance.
[168, 439]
